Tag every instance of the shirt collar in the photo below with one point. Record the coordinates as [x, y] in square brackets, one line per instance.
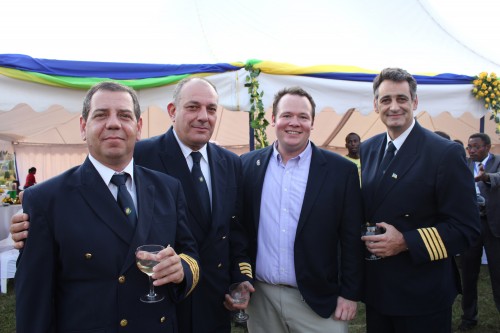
[304, 155]
[398, 142]
[186, 151]
[106, 173]
[483, 162]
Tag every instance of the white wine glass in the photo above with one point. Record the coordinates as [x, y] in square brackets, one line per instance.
[240, 294]
[145, 260]
[370, 230]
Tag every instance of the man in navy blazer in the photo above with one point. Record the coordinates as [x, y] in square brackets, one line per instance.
[425, 201]
[77, 272]
[300, 227]
[194, 113]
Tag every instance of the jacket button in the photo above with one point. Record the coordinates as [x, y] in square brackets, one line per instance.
[88, 256]
[162, 319]
[224, 237]
[219, 265]
[121, 279]
[123, 322]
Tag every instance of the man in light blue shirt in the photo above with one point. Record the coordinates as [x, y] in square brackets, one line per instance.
[300, 227]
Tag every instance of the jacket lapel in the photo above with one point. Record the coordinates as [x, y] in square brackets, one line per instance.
[101, 201]
[218, 172]
[145, 203]
[315, 180]
[491, 165]
[400, 166]
[259, 172]
[175, 164]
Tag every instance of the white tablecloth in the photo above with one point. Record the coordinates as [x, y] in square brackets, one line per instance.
[6, 213]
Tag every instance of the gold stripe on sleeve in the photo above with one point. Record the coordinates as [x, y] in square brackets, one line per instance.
[434, 243]
[439, 243]
[246, 269]
[431, 243]
[426, 243]
[195, 270]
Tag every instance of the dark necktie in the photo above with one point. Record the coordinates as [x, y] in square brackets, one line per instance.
[389, 155]
[201, 186]
[124, 198]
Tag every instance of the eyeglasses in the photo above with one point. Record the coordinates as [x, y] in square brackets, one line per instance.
[474, 147]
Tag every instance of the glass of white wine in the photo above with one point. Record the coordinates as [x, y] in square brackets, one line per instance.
[145, 260]
[240, 294]
[370, 230]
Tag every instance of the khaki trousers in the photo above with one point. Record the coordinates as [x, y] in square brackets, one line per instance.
[281, 309]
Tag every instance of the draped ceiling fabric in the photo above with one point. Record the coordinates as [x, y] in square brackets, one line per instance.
[40, 98]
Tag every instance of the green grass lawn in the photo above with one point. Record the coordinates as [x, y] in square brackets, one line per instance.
[489, 318]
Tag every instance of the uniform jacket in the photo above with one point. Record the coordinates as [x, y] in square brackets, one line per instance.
[330, 220]
[204, 308]
[427, 193]
[491, 192]
[78, 271]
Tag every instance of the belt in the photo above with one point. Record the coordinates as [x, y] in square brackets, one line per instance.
[286, 286]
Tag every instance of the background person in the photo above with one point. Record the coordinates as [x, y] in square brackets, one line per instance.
[302, 205]
[425, 201]
[30, 178]
[77, 271]
[486, 170]
[352, 142]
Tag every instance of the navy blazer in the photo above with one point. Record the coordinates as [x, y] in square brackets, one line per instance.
[78, 272]
[330, 220]
[204, 309]
[427, 193]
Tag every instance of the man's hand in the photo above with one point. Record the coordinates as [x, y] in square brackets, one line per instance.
[387, 244]
[19, 225]
[169, 269]
[482, 176]
[346, 309]
[231, 306]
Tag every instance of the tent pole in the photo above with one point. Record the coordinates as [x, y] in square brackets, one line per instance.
[251, 132]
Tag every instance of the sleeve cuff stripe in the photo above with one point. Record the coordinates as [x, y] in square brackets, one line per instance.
[195, 270]
[424, 239]
[433, 243]
[440, 244]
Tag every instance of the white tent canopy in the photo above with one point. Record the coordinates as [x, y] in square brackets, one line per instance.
[415, 34]
[439, 36]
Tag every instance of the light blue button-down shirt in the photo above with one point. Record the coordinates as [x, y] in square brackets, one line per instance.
[282, 197]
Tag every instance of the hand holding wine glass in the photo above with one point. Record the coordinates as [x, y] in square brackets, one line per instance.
[146, 260]
[240, 293]
[369, 229]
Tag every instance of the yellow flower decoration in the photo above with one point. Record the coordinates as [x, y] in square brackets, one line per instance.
[485, 88]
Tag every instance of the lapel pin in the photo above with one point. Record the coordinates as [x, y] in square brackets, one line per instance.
[394, 176]
[128, 211]
[258, 162]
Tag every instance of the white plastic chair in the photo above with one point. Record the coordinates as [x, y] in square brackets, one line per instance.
[8, 258]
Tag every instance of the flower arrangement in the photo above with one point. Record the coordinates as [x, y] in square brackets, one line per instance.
[487, 88]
